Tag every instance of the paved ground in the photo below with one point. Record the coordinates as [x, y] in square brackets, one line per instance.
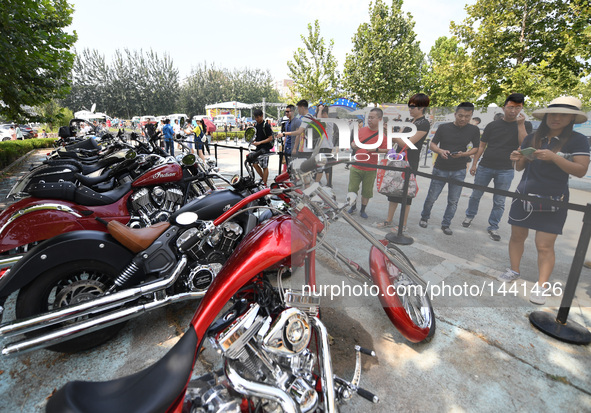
[485, 355]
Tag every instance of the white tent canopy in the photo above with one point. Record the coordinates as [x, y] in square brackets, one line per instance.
[229, 105]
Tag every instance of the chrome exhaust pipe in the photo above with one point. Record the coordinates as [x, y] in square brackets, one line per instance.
[89, 326]
[251, 388]
[90, 307]
[325, 362]
[9, 262]
[256, 389]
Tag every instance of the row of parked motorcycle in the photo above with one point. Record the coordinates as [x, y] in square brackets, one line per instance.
[109, 228]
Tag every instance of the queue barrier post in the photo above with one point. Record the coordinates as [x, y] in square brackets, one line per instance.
[559, 327]
[426, 144]
[399, 238]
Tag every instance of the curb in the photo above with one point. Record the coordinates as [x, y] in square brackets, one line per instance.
[19, 161]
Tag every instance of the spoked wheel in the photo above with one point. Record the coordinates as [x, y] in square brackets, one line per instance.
[69, 284]
[405, 302]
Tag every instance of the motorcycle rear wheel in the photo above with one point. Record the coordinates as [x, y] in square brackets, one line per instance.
[66, 284]
[409, 310]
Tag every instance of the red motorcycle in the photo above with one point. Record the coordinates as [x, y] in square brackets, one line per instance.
[274, 348]
[155, 189]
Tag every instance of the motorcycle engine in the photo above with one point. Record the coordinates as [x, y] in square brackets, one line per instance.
[262, 354]
[150, 206]
[217, 246]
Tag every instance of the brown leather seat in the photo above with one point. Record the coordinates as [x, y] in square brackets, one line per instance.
[136, 239]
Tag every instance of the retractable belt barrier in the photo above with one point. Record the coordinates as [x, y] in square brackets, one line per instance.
[558, 327]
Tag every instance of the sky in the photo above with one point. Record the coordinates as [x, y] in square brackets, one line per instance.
[237, 34]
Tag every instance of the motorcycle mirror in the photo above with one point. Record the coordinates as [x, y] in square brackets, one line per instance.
[186, 218]
[235, 179]
[189, 159]
[351, 198]
[249, 133]
[131, 154]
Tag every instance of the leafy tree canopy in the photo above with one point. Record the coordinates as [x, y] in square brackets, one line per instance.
[36, 57]
[314, 68]
[385, 63]
[537, 47]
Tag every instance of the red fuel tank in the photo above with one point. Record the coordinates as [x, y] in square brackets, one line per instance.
[162, 174]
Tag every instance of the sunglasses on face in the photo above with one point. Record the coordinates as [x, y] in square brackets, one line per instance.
[412, 106]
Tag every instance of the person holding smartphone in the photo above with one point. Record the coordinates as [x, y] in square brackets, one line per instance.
[451, 144]
[559, 153]
[499, 139]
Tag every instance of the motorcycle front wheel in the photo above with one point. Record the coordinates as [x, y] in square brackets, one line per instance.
[68, 284]
[407, 305]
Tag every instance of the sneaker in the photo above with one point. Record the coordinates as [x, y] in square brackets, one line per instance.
[423, 223]
[536, 295]
[494, 235]
[447, 231]
[363, 215]
[467, 222]
[352, 209]
[508, 276]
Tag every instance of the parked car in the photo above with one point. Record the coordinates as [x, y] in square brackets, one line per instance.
[5, 133]
[28, 132]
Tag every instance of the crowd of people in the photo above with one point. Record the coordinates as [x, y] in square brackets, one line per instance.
[547, 156]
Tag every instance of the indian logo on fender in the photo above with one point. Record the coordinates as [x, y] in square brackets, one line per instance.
[163, 175]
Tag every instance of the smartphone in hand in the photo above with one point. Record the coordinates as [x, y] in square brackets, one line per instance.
[528, 153]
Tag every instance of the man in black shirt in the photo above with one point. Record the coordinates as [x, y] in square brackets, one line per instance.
[500, 138]
[451, 143]
[263, 142]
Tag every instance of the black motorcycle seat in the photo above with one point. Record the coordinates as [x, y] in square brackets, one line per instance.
[58, 161]
[90, 181]
[53, 190]
[153, 389]
[88, 197]
[105, 186]
[76, 155]
[85, 144]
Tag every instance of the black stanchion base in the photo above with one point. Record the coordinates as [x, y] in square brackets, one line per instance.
[570, 332]
[399, 239]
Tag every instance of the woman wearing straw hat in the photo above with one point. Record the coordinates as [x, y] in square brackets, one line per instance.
[559, 152]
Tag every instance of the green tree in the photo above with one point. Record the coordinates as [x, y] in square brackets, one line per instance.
[251, 85]
[314, 68]
[36, 57]
[209, 84]
[54, 114]
[135, 83]
[385, 63]
[537, 47]
[448, 75]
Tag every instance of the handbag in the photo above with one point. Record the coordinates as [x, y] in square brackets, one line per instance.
[391, 183]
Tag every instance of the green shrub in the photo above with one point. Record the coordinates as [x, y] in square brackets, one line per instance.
[12, 150]
[221, 136]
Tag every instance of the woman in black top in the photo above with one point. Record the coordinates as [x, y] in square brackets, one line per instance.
[417, 105]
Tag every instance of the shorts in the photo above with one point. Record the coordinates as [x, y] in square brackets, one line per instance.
[256, 157]
[366, 179]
